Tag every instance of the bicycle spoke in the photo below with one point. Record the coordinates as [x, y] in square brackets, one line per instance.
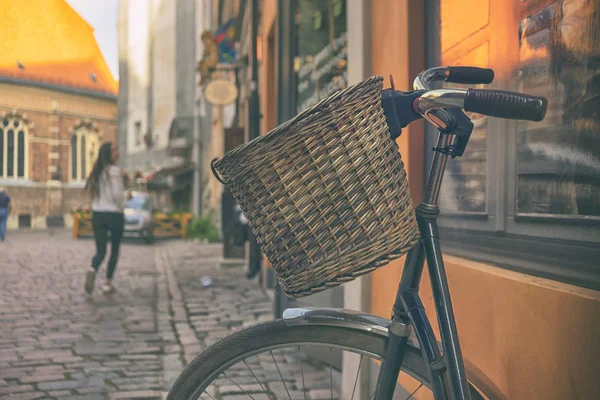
[261, 385]
[302, 372]
[280, 375]
[416, 390]
[252, 375]
[374, 393]
[232, 381]
[357, 375]
[206, 391]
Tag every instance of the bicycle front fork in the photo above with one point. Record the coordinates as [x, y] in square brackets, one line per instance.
[446, 371]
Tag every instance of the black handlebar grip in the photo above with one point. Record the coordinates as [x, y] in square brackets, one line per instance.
[470, 75]
[510, 105]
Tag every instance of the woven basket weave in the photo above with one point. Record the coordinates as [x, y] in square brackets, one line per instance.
[325, 193]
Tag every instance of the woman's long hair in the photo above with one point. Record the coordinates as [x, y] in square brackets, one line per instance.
[92, 186]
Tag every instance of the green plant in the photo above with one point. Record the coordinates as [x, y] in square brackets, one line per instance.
[82, 212]
[203, 228]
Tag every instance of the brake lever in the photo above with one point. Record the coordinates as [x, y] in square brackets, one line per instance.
[463, 127]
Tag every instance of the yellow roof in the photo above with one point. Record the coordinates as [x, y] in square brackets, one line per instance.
[48, 41]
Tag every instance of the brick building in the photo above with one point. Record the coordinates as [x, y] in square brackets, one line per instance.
[58, 104]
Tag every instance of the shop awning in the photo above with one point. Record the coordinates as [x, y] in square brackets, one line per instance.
[176, 177]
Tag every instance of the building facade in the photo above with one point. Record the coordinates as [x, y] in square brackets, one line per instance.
[164, 122]
[520, 223]
[146, 47]
[57, 106]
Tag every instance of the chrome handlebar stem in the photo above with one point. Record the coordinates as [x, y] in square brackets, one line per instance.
[431, 101]
[429, 105]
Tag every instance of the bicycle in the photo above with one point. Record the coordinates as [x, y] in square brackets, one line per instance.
[406, 342]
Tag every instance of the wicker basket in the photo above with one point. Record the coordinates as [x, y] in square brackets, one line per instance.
[325, 193]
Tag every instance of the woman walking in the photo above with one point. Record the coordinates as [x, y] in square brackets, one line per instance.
[105, 185]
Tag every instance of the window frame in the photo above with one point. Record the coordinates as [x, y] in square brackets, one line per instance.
[17, 147]
[80, 133]
[555, 247]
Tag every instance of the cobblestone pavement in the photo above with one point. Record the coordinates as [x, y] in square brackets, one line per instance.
[57, 342]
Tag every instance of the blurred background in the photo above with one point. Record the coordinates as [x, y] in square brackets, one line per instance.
[176, 83]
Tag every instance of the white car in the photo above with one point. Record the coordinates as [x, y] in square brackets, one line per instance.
[138, 217]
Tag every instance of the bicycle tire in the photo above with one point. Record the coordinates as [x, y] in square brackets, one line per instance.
[217, 358]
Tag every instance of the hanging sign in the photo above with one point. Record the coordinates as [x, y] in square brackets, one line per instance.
[221, 92]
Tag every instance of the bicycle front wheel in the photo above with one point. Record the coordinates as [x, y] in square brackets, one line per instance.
[269, 361]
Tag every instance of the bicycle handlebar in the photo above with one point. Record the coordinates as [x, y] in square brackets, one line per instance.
[502, 104]
[467, 75]
[470, 75]
[495, 103]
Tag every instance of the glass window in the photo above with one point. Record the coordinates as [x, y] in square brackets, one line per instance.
[84, 150]
[1, 152]
[21, 155]
[10, 153]
[321, 50]
[534, 187]
[559, 160]
[464, 42]
[13, 148]
[464, 189]
[74, 157]
[83, 157]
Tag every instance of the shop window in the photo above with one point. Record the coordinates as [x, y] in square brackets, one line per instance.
[13, 148]
[558, 162]
[526, 195]
[83, 152]
[321, 50]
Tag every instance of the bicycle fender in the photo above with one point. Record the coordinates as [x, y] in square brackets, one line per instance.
[360, 321]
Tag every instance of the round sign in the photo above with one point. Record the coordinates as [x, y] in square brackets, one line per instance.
[221, 92]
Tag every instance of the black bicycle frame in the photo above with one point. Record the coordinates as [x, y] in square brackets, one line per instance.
[446, 369]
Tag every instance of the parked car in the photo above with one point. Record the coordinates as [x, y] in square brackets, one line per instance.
[138, 217]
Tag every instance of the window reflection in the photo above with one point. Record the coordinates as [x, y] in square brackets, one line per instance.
[321, 43]
[559, 160]
[465, 177]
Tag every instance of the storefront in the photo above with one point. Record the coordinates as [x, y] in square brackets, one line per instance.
[520, 219]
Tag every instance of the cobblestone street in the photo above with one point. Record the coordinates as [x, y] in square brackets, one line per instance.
[57, 342]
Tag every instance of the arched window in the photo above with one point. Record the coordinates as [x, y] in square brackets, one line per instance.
[84, 150]
[13, 148]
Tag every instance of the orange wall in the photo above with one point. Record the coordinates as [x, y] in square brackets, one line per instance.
[391, 46]
[534, 338]
[268, 72]
[268, 75]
